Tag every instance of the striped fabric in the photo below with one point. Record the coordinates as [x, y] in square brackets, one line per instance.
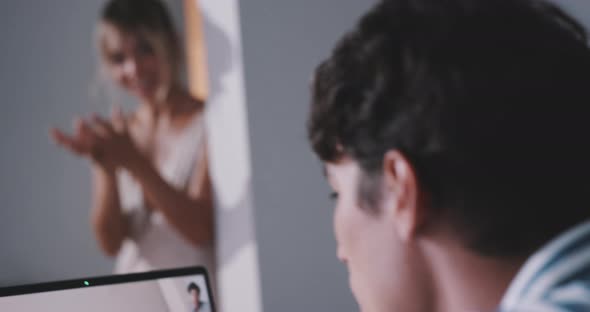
[556, 278]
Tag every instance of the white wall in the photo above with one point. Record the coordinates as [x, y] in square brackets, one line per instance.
[238, 278]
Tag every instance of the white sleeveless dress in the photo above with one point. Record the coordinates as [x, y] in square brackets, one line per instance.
[153, 244]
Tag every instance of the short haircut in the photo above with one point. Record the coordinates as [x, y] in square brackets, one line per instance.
[192, 286]
[487, 99]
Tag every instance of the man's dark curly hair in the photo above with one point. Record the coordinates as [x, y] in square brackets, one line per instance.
[488, 100]
[193, 286]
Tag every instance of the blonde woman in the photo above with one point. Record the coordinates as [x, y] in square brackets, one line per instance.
[152, 204]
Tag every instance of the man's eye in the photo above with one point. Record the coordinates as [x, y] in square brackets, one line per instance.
[334, 196]
[145, 48]
[117, 58]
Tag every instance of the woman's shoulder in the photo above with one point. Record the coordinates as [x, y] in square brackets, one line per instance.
[193, 115]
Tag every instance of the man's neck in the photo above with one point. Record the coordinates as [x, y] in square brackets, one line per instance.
[465, 281]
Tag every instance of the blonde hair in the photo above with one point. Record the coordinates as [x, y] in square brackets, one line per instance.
[148, 19]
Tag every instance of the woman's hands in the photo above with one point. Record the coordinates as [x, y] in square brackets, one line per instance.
[106, 142]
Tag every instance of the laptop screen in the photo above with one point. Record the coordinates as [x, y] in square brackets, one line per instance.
[185, 289]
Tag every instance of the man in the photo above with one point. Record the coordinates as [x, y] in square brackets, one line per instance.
[453, 134]
[195, 291]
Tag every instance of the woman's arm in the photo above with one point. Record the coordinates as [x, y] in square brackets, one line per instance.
[189, 211]
[108, 221]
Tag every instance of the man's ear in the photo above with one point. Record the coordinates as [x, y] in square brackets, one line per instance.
[400, 194]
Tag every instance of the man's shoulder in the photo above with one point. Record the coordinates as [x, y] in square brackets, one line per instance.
[205, 307]
[556, 278]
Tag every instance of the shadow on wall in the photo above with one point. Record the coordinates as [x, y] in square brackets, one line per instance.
[219, 63]
[234, 207]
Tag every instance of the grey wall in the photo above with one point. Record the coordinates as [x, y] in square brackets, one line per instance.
[47, 66]
[282, 42]
[580, 9]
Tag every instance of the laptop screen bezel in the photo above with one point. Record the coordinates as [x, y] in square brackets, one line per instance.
[97, 281]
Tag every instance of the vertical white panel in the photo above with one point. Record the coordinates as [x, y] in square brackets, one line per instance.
[237, 255]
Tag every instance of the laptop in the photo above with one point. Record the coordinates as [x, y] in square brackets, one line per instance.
[183, 290]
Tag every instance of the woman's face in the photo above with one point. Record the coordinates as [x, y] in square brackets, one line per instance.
[136, 62]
